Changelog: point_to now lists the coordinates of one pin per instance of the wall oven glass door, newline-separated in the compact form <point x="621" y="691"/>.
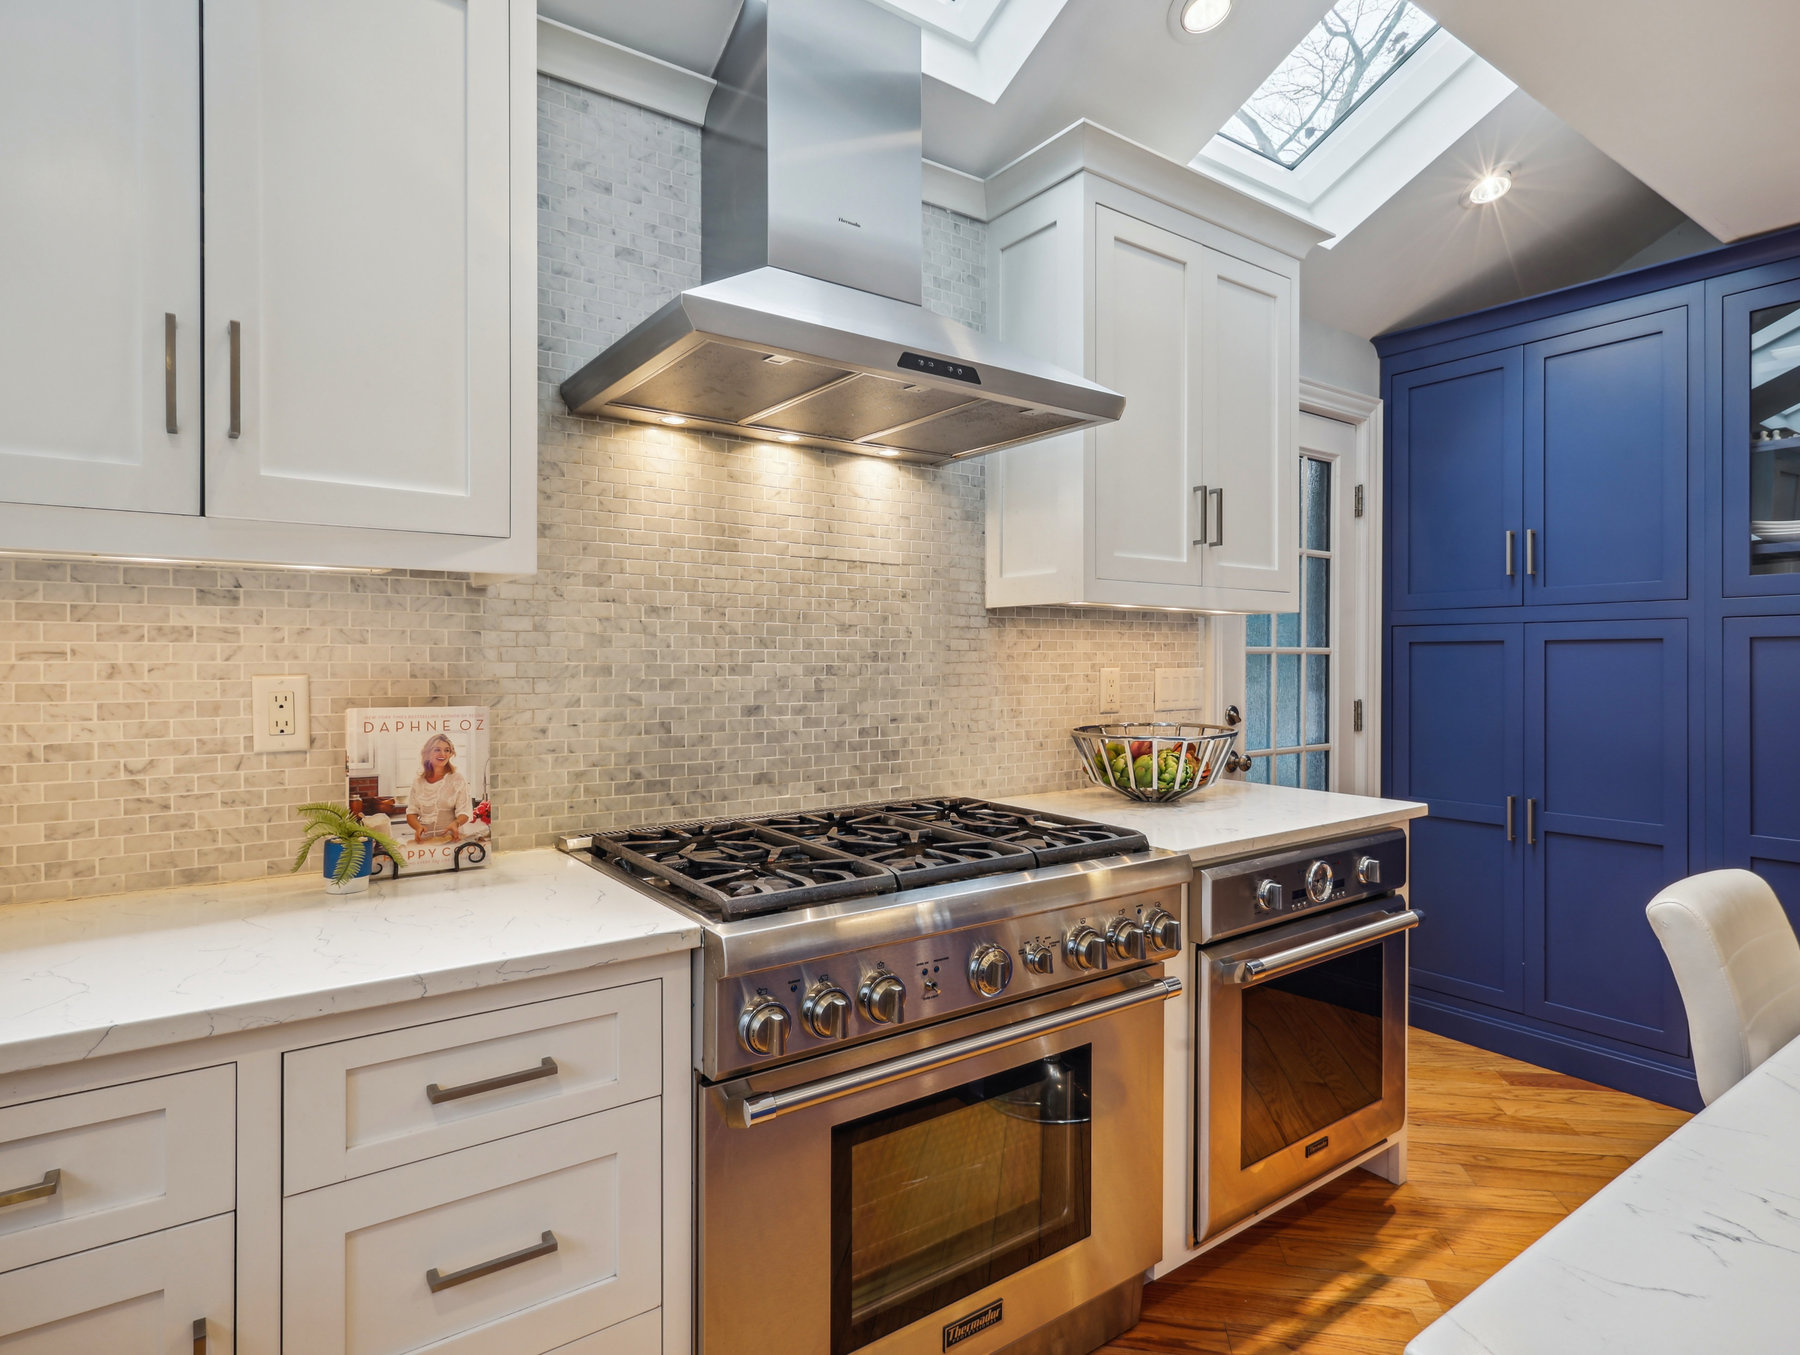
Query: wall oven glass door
<point x="941" y="1197"/>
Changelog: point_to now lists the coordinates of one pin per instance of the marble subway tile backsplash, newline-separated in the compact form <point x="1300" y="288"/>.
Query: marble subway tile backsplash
<point x="716" y="627"/>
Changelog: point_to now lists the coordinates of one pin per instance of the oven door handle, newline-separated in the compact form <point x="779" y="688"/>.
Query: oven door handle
<point x="1286" y="961"/>
<point x="742" y="1112"/>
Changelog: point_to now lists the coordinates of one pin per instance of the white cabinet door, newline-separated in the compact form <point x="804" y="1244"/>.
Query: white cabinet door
<point x="1150" y="288"/>
<point x="141" y="1297"/>
<point x="1249" y="463"/>
<point x="99" y="242"/>
<point x="357" y="233"/>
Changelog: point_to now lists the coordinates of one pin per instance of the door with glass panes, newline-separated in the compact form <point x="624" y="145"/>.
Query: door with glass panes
<point x="1287" y="672"/>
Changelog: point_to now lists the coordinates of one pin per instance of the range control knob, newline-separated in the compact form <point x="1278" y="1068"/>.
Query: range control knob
<point x="1269" y="897"/>
<point x="1368" y="870"/>
<point x="826" y="1011"/>
<point x="883" y="999"/>
<point x="763" y="1028"/>
<point x="1086" y="948"/>
<point x="1319" y="882"/>
<point x="1038" y="958"/>
<point x="990" y="969"/>
<point x="1126" y="940"/>
<point x="1163" y="931"/>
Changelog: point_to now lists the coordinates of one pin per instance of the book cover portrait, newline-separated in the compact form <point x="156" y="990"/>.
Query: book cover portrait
<point x="421" y="773"/>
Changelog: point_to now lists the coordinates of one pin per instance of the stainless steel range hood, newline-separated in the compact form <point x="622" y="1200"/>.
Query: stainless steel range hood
<point x="807" y="327"/>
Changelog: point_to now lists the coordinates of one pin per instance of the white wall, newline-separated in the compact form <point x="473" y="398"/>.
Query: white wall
<point x="1338" y="358"/>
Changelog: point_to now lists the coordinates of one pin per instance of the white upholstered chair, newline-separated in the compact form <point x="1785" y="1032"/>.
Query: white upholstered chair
<point x="1738" y="966"/>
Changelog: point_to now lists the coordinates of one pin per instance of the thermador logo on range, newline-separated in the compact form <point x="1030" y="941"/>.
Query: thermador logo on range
<point x="955" y="1333"/>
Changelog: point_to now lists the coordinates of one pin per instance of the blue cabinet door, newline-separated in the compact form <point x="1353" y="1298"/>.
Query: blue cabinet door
<point x="1456" y="486"/>
<point x="1457" y="743"/>
<point x="1606" y="462"/>
<point x="1760" y="480"/>
<point x="1606" y="780"/>
<point x="1759" y="674"/>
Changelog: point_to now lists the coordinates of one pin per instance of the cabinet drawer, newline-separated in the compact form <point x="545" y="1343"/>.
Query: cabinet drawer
<point x="640" y="1335"/>
<point x="359" y="1256"/>
<point x="380" y="1101"/>
<point x="141" y="1297"/>
<point x="99" y="1166"/>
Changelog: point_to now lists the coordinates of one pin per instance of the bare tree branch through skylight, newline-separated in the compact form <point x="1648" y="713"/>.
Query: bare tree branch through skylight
<point x="1356" y="46"/>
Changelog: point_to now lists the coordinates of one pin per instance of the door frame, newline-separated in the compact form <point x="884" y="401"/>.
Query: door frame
<point x="1357" y="582"/>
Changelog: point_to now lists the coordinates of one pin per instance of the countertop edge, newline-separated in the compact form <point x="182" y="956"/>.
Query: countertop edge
<point x="1251" y="845"/>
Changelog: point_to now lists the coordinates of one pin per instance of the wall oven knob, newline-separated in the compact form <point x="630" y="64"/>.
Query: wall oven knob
<point x="763" y="1028"/>
<point x="826" y="1011"/>
<point x="1319" y="881"/>
<point x="990" y="970"/>
<point x="1163" y="931"/>
<point x="1269" y="897"/>
<point x="1039" y="959"/>
<point x="883" y="999"/>
<point x="1127" y="941"/>
<point x="1086" y="948"/>
<point x="1368" y="870"/>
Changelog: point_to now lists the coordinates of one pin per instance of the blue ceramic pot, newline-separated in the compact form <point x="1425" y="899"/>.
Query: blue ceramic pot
<point x="358" y="882"/>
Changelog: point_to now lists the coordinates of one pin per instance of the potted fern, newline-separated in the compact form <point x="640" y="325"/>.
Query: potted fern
<point x="349" y="858"/>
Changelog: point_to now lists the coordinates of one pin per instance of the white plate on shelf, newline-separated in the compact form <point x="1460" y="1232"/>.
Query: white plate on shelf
<point x="1777" y="531"/>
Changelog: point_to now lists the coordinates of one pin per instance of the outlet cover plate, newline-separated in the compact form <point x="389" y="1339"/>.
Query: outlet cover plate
<point x="266" y="708"/>
<point x="1181" y="689"/>
<point x="1109" y="691"/>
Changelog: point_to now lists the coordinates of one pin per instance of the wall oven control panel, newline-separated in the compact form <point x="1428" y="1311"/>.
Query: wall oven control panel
<point x="1240" y="896"/>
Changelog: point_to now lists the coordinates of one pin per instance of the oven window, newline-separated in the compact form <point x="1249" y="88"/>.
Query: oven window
<point x="1312" y="1051"/>
<point x="936" y="1199"/>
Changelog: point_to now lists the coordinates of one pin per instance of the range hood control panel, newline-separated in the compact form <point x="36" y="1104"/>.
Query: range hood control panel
<point x="956" y="371"/>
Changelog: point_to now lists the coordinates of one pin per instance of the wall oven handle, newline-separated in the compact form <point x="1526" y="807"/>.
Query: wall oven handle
<point x="743" y="1112"/>
<point x="1286" y="961"/>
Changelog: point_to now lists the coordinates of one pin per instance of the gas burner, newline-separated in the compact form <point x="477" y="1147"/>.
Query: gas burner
<point x="1051" y="838"/>
<point x="739" y="869"/>
<point x="921" y="853"/>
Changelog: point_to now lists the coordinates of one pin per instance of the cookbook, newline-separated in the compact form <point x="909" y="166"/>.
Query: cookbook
<point x="420" y="773"/>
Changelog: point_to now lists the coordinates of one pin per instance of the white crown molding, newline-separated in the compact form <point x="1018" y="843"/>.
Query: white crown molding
<point x="959" y="192"/>
<point x="1334" y="402"/>
<point x="1087" y="147"/>
<point x="582" y="59"/>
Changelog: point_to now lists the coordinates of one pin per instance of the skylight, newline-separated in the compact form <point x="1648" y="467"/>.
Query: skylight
<point x="1356" y="46"/>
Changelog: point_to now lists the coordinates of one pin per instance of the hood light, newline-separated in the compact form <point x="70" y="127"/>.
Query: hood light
<point x="1191" y="18"/>
<point x="673" y="420"/>
<point x="1490" y="187"/>
<point x="788" y="437"/>
<point x="886" y="451"/>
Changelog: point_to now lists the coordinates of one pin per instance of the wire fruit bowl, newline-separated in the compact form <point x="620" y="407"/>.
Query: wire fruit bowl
<point x="1160" y="762"/>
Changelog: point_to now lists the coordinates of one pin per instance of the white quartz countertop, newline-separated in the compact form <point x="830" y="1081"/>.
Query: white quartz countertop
<point x="1229" y="818"/>
<point x="1694" y="1248"/>
<point x="100" y="976"/>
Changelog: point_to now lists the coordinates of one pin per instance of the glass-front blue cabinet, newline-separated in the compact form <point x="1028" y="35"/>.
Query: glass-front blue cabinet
<point x="1761" y="440"/>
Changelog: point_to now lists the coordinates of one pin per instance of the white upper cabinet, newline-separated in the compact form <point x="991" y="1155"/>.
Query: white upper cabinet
<point x="357" y="234"/>
<point x="368" y="342"/>
<point x="100" y="254"/>
<point x="1189" y="500"/>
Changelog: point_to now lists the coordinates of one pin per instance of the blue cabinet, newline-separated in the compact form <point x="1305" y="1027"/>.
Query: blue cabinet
<point x="1760" y="351"/>
<point x="1760" y="680"/>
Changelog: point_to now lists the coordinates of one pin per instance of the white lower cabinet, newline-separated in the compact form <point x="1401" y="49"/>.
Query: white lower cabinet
<point x="168" y="1293"/>
<point x="516" y="1247"/>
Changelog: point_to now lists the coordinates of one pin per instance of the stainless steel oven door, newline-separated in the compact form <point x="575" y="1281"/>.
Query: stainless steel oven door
<point x="1302" y="1037"/>
<point x="952" y="1188"/>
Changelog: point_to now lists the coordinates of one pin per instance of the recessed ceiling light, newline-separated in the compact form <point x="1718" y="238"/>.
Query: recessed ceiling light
<point x="790" y="437"/>
<point x="673" y="420"/>
<point x="1490" y="187"/>
<point x="1191" y="18"/>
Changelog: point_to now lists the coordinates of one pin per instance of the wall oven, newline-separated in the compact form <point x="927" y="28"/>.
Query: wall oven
<point x="943" y="1189"/>
<point x="1301" y="1004"/>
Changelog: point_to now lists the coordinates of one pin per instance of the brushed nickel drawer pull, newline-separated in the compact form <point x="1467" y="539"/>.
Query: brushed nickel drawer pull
<point x="1218" y="518"/>
<point x="237" y="381"/>
<point x="438" y="1095"/>
<point x="1511" y="538"/>
<point x="199" y="1336"/>
<point x="170" y="424"/>
<point x="1531" y="833"/>
<point x="439" y="1281"/>
<point x="42" y="1190"/>
<point x="1205" y="508"/>
<point x="1531" y="551"/>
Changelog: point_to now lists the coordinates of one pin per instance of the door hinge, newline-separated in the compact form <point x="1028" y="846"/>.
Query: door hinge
<point x="1359" y="501"/>
<point x="1356" y="715"/>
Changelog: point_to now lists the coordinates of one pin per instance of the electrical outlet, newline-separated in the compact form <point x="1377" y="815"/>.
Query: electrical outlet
<point x="1180" y="689"/>
<point x="281" y="714"/>
<point x="1109" y="691"/>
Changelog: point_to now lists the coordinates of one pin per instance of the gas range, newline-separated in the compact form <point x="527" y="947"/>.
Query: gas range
<point x="831" y="928"/>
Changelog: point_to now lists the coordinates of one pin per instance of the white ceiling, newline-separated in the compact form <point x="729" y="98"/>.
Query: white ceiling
<point x="1698" y="100"/>
<point x="1573" y="214"/>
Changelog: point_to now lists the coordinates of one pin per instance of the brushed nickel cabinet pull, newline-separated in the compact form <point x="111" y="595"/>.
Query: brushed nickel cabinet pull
<point x="237" y="382"/>
<point x="1512" y="802"/>
<point x="41" y="1190"/>
<point x="199" y="1336"/>
<point x="1511" y="537"/>
<point x="438" y="1095"/>
<point x="1205" y="504"/>
<point x="1531" y="551"/>
<point x="439" y="1281"/>
<point x="1218" y="518"/>
<point x="170" y="424"/>
<point x="1531" y="823"/>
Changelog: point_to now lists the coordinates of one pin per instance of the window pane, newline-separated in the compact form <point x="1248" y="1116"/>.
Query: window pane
<point x="1259" y="771"/>
<point x="1287" y="769"/>
<point x="1318" y="699"/>
<point x="1256" y="631"/>
<point x="1317" y="576"/>
<point x="1318" y="771"/>
<point x="1287" y="629"/>
<point x="1287" y="700"/>
<point x="1315" y="492"/>
<point x="1256" y="701"/>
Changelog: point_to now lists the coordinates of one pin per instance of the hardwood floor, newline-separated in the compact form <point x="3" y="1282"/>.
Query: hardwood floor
<point x="1500" y="1151"/>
